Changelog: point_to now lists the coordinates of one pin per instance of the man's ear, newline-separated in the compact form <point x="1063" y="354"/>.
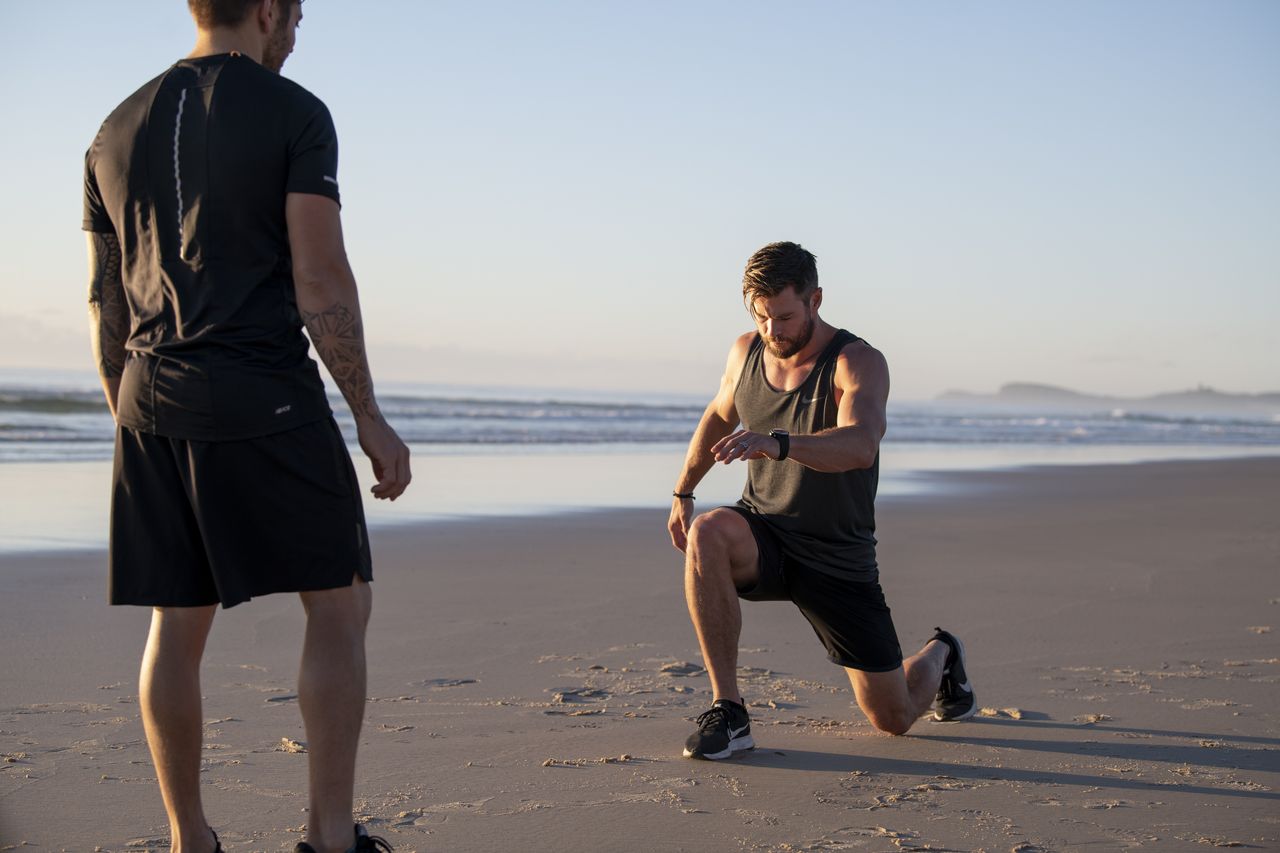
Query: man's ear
<point x="817" y="298"/>
<point x="264" y="13"/>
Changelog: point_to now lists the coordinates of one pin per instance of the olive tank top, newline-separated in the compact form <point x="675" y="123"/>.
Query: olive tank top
<point x="823" y="520"/>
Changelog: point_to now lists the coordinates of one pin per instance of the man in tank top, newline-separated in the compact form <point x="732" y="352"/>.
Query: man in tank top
<point x="803" y="404"/>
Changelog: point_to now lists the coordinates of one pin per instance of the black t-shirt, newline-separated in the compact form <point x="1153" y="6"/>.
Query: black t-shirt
<point x="190" y="173"/>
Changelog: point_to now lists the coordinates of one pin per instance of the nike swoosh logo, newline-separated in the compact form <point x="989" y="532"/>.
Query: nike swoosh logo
<point x="733" y="733"/>
<point x="810" y="401"/>
<point x="966" y="688"/>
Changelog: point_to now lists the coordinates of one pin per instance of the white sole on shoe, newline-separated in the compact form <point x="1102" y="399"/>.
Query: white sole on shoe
<point x="966" y="715"/>
<point x="736" y="745"/>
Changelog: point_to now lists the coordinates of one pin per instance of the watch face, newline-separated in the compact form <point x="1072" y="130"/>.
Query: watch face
<point x="784" y="442"/>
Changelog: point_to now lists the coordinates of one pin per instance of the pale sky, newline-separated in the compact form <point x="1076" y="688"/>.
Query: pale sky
<point x="564" y="193"/>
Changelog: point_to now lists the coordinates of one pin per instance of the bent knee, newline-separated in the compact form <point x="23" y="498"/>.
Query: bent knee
<point x="895" y="723"/>
<point x="712" y="530"/>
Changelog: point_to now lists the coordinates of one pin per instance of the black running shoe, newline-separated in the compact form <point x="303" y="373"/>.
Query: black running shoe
<point x="721" y="730"/>
<point x="365" y="843"/>
<point x="955" y="699"/>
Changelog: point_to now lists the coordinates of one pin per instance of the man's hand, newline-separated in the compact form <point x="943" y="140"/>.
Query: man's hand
<point x="389" y="455"/>
<point x="745" y="444"/>
<point x="678" y="523"/>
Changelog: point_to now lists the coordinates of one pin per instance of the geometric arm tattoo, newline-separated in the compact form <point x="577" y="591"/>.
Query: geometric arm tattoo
<point x="108" y="310"/>
<point x="338" y="336"/>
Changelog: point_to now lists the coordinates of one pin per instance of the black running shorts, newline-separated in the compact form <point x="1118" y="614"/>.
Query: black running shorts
<point x="850" y="617"/>
<point x="207" y="522"/>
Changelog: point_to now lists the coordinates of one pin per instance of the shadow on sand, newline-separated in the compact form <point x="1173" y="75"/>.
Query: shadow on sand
<point x="1221" y="755"/>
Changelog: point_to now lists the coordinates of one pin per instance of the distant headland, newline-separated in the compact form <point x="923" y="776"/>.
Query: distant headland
<point x="1199" y="401"/>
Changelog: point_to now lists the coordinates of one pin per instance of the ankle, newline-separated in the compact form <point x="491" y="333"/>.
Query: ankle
<point x="201" y="840"/>
<point x="331" y="837"/>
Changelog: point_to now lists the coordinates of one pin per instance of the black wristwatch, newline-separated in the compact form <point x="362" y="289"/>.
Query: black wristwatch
<point x="784" y="442"/>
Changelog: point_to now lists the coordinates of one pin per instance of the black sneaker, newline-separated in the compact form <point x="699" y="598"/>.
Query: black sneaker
<point x="955" y="699"/>
<point x="365" y="843"/>
<point x="721" y="730"/>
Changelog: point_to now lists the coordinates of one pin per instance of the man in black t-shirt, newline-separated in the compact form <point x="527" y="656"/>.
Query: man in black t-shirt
<point x="211" y="202"/>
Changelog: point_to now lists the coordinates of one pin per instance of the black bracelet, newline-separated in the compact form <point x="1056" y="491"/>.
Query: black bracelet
<point x="684" y="496"/>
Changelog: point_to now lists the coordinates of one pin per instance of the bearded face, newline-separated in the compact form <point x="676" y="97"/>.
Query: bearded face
<point x="787" y="345"/>
<point x="785" y="321"/>
<point x="281" y="39"/>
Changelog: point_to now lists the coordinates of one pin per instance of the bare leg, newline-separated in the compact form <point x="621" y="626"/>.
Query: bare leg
<point x="893" y="701"/>
<point x="331" y="692"/>
<point x="169" y="691"/>
<point x="721" y="556"/>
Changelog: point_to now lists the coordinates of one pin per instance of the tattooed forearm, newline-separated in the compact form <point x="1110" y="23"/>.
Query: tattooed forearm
<point x="108" y="310"/>
<point x="338" y="336"/>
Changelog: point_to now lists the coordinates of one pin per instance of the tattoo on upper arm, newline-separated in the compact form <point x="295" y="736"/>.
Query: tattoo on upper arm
<point x="338" y="337"/>
<point x="108" y="309"/>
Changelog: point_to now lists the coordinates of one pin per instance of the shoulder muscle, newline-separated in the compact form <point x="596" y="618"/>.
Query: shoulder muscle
<point x="861" y="365"/>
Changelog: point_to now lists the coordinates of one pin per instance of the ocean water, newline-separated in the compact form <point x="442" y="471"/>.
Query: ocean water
<point x="51" y="424"/>
<point x="493" y="452"/>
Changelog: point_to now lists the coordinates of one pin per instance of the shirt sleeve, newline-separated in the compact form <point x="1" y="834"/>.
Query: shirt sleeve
<point x="95" y="212"/>
<point x="313" y="156"/>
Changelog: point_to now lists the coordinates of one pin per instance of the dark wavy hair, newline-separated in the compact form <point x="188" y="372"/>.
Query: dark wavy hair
<point x="776" y="267"/>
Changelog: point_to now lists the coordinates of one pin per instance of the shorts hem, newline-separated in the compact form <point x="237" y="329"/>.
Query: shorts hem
<point x="861" y="667"/>
<point x="144" y="601"/>
<point x="365" y="576"/>
<point x="754" y="593"/>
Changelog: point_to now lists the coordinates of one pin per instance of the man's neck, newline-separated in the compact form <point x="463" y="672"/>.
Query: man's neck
<point x="214" y="42"/>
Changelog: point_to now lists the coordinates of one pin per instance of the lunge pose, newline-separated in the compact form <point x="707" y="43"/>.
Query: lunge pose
<point x="211" y="202"/>
<point x="810" y="399"/>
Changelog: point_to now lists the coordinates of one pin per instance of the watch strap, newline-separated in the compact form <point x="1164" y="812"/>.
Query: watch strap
<point x="784" y="442"/>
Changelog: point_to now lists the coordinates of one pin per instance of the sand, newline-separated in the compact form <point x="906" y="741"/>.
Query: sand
<point x="532" y="681"/>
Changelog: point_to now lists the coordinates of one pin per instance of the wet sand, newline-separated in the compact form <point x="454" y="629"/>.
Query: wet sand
<point x="532" y="681"/>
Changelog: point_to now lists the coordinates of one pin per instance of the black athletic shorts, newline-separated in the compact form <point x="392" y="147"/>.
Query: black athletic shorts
<point x="850" y="617"/>
<point x="206" y="522"/>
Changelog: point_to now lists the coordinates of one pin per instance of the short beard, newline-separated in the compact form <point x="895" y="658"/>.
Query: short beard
<point x="276" y="50"/>
<point x="791" y="346"/>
